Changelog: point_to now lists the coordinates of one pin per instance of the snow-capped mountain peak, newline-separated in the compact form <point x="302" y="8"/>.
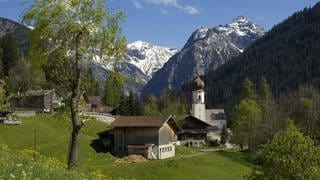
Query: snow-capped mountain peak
<point x="242" y="27"/>
<point x="138" y="45"/>
<point x="147" y="57"/>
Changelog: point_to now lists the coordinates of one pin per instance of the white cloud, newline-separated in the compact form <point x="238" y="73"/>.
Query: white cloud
<point x="188" y="9"/>
<point x="137" y="4"/>
<point x="191" y="10"/>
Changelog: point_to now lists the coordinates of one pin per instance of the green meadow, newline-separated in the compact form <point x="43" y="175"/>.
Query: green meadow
<point x="49" y="136"/>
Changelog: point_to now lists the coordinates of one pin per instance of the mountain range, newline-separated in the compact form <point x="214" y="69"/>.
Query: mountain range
<point x="151" y="68"/>
<point x="138" y="65"/>
<point x="205" y="50"/>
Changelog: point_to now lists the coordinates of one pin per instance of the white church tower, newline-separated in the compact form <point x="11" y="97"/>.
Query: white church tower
<point x="198" y="100"/>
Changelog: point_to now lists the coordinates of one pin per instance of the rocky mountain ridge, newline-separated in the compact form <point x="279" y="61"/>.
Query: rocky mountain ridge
<point x="205" y="50"/>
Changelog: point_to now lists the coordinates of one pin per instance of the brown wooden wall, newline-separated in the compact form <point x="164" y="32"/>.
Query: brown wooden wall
<point x="133" y="136"/>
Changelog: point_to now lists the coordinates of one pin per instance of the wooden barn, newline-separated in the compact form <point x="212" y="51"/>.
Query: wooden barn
<point x="151" y="136"/>
<point x="194" y="131"/>
<point x="38" y="100"/>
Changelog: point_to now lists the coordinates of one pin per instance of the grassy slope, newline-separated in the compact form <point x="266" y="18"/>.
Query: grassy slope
<point x="53" y="139"/>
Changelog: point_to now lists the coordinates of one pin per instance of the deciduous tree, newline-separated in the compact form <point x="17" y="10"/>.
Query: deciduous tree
<point x="290" y="155"/>
<point x="75" y="30"/>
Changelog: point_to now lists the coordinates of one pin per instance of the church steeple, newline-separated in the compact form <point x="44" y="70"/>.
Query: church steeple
<point x="198" y="99"/>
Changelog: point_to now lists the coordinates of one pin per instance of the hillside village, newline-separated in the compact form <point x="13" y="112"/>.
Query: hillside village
<point x="78" y="102"/>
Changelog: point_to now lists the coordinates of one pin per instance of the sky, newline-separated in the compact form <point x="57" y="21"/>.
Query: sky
<point x="171" y="22"/>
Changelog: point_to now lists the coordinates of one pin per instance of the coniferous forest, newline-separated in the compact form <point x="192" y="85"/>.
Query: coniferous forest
<point x="287" y="57"/>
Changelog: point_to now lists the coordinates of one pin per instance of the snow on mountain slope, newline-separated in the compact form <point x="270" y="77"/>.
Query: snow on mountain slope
<point x="147" y="57"/>
<point x="138" y="65"/>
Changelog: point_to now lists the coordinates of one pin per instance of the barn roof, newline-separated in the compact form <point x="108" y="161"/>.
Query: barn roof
<point x="139" y="121"/>
<point x="195" y="122"/>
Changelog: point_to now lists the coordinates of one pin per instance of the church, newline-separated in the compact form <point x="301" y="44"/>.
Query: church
<point x="214" y="117"/>
<point x="201" y="122"/>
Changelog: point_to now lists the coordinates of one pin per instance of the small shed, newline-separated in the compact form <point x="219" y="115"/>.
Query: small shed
<point x="194" y="131"/>
<point x="151" y="136"/>
<point x="37" y="100"/>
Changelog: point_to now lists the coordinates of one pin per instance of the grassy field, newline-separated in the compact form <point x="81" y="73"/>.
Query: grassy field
<point x="52" y="140"/>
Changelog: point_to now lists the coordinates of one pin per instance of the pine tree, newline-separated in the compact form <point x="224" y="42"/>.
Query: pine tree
<point x="151" y="106"/>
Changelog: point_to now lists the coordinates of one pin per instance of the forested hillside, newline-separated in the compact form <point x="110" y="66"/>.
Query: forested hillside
<point x="287" y="56"/>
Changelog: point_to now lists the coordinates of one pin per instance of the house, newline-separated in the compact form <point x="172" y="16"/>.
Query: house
<point x="214" y="117"/>
<point x="92" y="103"/>
<point x="194" y="131"/>
<point x="37" y="100"/>
<point x="151" y="136"/>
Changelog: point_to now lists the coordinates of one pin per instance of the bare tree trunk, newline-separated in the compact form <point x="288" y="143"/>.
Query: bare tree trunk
<point x="75" y="96"/>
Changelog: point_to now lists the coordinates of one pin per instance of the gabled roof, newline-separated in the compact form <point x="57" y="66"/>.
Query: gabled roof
<point x="190" y="118"/>
<point x="139" y="121"/>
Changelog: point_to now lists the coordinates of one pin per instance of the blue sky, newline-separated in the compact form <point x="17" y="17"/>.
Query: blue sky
<point x="171" y="22"/>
